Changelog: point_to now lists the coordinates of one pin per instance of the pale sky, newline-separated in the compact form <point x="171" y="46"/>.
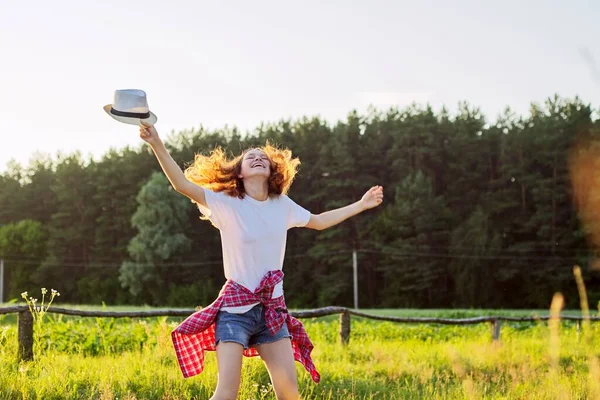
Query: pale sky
<point x="243" y="62"/>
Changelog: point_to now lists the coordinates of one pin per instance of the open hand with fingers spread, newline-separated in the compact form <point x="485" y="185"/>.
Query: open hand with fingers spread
<point x="148" y="133"/>
<point x="372" y="198"/>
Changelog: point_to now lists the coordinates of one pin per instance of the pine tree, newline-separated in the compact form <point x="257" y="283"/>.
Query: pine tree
<point x="160" y="221"/>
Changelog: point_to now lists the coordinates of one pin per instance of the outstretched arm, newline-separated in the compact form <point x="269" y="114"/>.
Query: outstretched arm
<point x="175" y="175"/>
<point x="372" y="198"/>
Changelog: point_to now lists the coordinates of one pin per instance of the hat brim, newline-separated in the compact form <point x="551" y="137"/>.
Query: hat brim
<point x="151" y="120"/>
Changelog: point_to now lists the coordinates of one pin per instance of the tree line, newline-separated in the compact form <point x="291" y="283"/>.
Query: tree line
<point x="476" y="214"/>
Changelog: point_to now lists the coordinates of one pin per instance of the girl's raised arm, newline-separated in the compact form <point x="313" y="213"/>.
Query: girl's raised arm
<point x="175" y="175"/>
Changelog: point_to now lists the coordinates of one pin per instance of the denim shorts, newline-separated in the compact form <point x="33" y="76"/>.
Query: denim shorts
<point x="248" y="329"/>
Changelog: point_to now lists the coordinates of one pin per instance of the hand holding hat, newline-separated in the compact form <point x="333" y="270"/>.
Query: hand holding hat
<point x="148" y="133"/>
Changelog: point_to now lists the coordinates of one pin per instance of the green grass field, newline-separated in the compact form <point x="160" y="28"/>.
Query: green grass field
<point x="103" y="358"/>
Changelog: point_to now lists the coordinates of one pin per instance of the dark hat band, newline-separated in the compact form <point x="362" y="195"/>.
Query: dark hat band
<point x="129" y="114"/>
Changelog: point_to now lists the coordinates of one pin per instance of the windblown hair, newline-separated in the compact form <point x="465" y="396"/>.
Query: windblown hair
<point x="218" y="173"/>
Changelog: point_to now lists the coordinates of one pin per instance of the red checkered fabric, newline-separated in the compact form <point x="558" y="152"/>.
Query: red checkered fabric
<point x="196" y="334"/>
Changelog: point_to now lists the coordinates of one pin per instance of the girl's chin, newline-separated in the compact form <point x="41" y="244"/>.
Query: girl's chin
<point x="257" y="176"/>
<point x="258" y="173"/>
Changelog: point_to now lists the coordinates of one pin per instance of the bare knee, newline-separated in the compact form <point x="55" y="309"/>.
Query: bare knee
<point x="225" y="392"/>
<point x="290" y="395"/>
<point x="286" y="389"/>
<point x="216" y="397"/>
<point x="279" y="359"/>
<point x="224" y="396"/>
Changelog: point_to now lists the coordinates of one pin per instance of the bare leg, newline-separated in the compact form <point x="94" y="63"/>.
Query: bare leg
<point x="279" y="359"/>
<point x="229" y="360"/>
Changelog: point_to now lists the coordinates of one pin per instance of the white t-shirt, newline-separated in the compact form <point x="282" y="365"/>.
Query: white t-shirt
<point x="253" y="236"/>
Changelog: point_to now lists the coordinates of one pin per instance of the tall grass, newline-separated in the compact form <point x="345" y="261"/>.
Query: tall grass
<point x="105" y="358"/>
<point x="133" y="359"/>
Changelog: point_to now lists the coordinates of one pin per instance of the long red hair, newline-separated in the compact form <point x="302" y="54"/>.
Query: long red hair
<point x="218" y="173"/>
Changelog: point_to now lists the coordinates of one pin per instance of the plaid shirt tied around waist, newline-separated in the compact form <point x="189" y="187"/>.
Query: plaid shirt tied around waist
<point x="196" y="334"/>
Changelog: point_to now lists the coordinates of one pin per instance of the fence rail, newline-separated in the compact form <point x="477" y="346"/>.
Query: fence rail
<point x="25" y="320"/>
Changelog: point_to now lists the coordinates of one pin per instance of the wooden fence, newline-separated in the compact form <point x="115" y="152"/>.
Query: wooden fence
<point x="25" y="320"/>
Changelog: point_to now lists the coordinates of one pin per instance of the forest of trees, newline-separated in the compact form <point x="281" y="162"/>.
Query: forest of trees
<point x="476" y="214"/>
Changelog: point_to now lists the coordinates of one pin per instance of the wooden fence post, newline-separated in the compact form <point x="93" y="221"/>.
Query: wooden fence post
<point x="495" y="330"/>
<point x="345" y="327"/>
<point x="25" y="336"/>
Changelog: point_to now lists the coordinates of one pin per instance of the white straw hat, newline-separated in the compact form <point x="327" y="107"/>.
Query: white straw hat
<point x="130" y="106"/>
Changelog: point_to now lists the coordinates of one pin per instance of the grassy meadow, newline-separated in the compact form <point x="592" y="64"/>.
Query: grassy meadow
<point x="104" y="358"/>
